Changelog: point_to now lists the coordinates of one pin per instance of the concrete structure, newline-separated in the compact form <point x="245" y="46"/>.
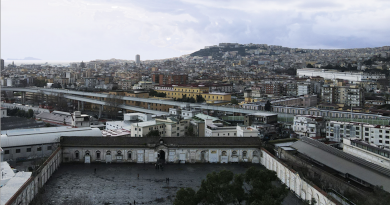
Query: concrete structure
<point x="24" y="144"/>
<point x="335" y="74"/>
<point x="170" y="127"/>
<point x="304" y="89"/>
<point x="169" y="150"/>
<point x="137" y="60"/>
<point x="307" y="110"/>
<point x="143" y="85"/>
<point x="309" y="126"/>
<point x="374" y="134"/>
<point x="346" y="165"/>
<point x="366" y="151"/>
<point x="24" y="193"/>
<point x="297" y="184"/>
<point x="128" y="119"/>
<point x="214" y="129"/>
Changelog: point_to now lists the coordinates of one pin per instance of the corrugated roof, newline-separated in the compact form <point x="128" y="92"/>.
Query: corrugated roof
<point x="344" y="162"/>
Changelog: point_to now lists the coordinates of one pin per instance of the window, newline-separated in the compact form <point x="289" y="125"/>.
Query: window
<point x="28" y="150"/>
<point x="367" y="129"/>
<point x="224" y="153"/>
<point x="76" y="154"/>
<point x="97" y="154"/>
<point x="178" y="134"/>
<point x="178" y="128"/>
<point x="48" y="147"/>
<point x="366" y="134"/>
<point x="380" y="131"/>
<point x="17" y="151"/>
<point x="387" y="142"/>
<point x="380" y="136"/>
<point x="357" y="128"/>
<point x="6" y="151"/>
<point x="234" y="153"/>
<point x="244" y="154"/>
<point x="341" y="126"/>
<point x="380" y="141"/>
<point x="357" y="133"/>
<point x="39" y="148"/>
<point x="129" y="155"/>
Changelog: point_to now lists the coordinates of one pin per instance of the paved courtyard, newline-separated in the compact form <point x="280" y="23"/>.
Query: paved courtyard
<point x="120" y="184"/>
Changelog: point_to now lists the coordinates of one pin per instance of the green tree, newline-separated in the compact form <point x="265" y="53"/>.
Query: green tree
<point x="191" y="100"/>
<point x="185" y="196"/>
<point x="234" y="101"/>
<point x="268" y="106"/>
<point x="190" y="131"/>
<point x="309" y="65"/>
<point x="153" y="133"/>
<point x="200" y="99"/>
<point x="253" y="187"/>
<point x="30" y="113"/>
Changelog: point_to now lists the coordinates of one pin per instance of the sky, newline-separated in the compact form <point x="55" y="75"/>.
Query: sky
<point x="104" y="29"/>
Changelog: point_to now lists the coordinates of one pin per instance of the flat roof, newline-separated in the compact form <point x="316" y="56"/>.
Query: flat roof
<point x="344" y="162"/>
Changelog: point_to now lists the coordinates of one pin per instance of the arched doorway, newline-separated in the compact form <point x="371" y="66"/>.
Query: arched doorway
<point x="161" y="157"/>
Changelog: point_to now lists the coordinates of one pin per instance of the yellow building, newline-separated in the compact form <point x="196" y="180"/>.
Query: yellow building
<point x="192" y="91"/>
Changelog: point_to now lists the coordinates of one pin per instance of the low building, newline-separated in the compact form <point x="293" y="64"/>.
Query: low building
<point x="214" y="129"/>
<point x="309" y="125"/>
<point x="170" y="127"/>
<point x="366" y="151"/>
<point x="128" y="119"/>
<point x="168" y="149"/>
<point x="24" y="144"/>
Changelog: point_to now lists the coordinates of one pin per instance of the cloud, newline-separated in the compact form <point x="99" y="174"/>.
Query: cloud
<point x="90" y="29"/>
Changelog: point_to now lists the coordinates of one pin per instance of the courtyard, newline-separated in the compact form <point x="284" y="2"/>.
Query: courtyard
<point x="126" y="183"/>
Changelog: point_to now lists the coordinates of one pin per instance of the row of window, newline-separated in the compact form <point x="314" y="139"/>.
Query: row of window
<point x="7" y="151"/>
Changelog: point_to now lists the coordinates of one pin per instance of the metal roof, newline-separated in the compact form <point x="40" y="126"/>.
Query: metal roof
<point x="20" y="138"/>
<point x="344" y="162"/>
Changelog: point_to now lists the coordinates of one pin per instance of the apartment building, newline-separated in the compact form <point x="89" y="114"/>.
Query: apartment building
<point x="309" y="125"/>
<point x="164" y="79"/>
<point x="369" y="152"/>
<point x="192" y="91"/>
<point x="373" y="134"/>
<point x="170" y="127"/>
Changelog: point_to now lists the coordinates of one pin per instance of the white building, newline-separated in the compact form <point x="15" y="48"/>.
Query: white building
<point x="145" y="85"/>
<point x="373" y="134"/>
<point x="366" y="151"/>
<point x="171" y="127"/>
<point x="335" y="74"/>
<point x="217" y="129"/>
<point x="128" y="119"/>
<point x="304" y="89"/>
<point x="308" y="125"/>
<point x="138" y="60"/>
<point x="186" y="112"/>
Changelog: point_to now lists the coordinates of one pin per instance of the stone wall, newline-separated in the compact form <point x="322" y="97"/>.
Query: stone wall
<point x="30" y="189"/>
<point x="328" y="180"/>
<point x="291" y="178"/>
<point x="151" y="155"/>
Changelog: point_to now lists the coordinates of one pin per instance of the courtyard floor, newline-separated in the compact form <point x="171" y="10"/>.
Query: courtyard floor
<point x="120" y="184"/>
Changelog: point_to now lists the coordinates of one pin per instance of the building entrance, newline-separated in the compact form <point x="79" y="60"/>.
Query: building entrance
<point x="161" y="157"/>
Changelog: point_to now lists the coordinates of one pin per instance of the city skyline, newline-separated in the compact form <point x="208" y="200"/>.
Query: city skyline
<point x="67" y="30"/>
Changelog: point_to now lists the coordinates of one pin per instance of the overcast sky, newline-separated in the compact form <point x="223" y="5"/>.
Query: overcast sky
<point x="103" y="29"/>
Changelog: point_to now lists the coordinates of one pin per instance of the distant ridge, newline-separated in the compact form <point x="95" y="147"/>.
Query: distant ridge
<point x="26" y="58"/>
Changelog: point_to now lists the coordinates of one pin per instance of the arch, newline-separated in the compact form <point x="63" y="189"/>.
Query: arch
<point x="108" y="153"/>
<point x="77" y="154"/>
<point x="244" y="153"/>
<point x="129" y="155"/>
<point x="87" y="153"/>
<point x="203" y="156"/>
<point x="161" y="156"/>
<point x="119" y="152"/>
<point x="234" y="153"/>
<point x="98" y="155"/>
<point x="224" y="153"/>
